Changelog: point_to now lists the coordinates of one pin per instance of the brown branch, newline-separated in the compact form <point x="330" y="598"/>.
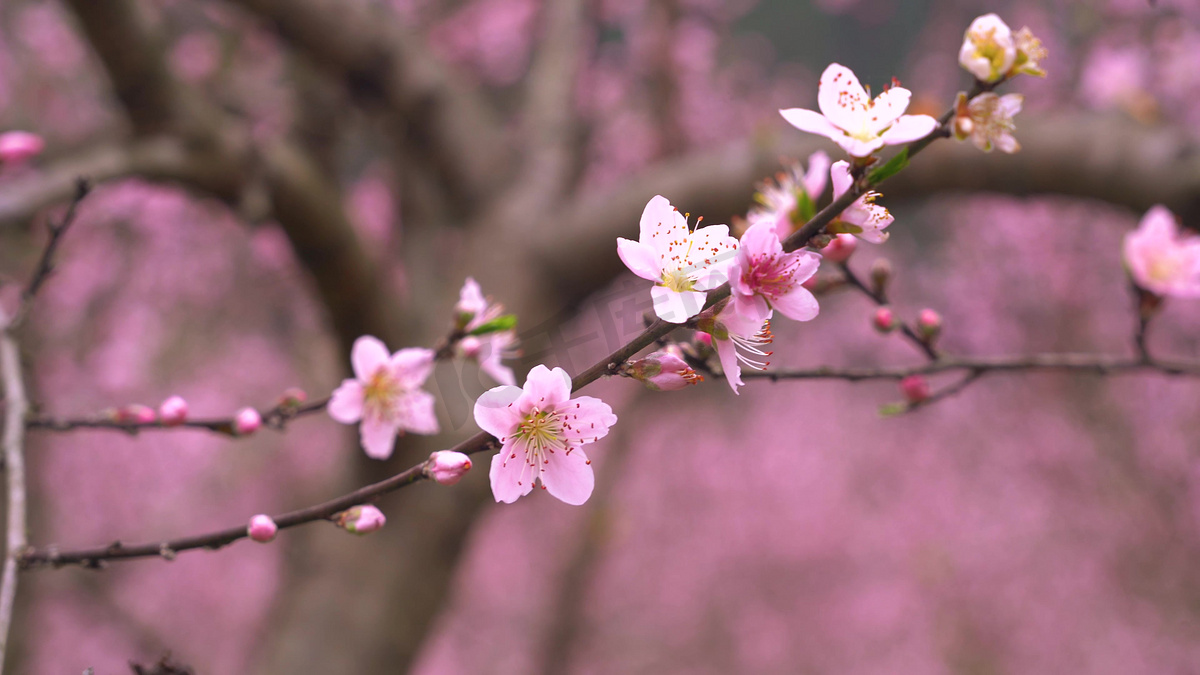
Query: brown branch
<point x="14" y="469"/>
<point x="1094" y="363"/>
<point x="275" y="418"/>
<point x="880" y="299"/>
<point x="45" y="266"/>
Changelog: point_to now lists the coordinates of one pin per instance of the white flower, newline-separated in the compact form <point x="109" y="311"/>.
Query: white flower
<point x="988" y="50"/>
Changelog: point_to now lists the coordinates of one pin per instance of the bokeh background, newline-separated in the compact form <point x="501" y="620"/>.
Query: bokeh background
<point x="277" y="177"/>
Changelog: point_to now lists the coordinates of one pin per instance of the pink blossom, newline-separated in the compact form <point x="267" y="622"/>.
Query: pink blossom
<point x="173" y="411"/>
<point x="988" y="50"/>
<point x="988" y="121"/>
<point x="475" y="311"/>
<point x="293" y="397"/>
<point x="840" y="248"/>
<point x="385" y="395"/>
<point x="864" y="217"/>
<point x="852" y="119"/>
<point x="363" y="519"/>
<point x="883" y="320"/>
<point x="763" y="278"/>
<point x="1160" y="258"/>
<point x="915" y="389"/>
<point x="663" y="370"/>
<point x="247" y="421"/>
<point x="733" y="333"/>
<point x="929" y="324"/>
<point x="682" y="263"/>
<point x="262" y="528"/>
<point x="19" y="146"/>
<point x="1030" y="54"/>
<point x="791" y="200"/>
<point x="542" y="431"/>
<point x="447" y="467"/>
<point x="136" y="413"/>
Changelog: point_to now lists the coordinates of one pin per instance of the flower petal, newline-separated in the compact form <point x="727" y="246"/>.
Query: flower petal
<point x="412" y="366"/>
<point x="499" y="372"/>
<point x="839" y="174"/>
<point x="640" y="258"/>
<point x="674" y="306"/>
<point x="887" y="108"/>
<point x="346" y="402"/>
<point x="544" y="388"/>
<point x="415" y="412"/>
<point x="727" y="352"/>
<point x="817" y="175"/>
<point x="510" y="476"/>
<point x="470" y="298"/>
<point x="367" y="355"/>
<point x="811" y="121"/>
<point x="752" y="307"/>
<point x="663" y="229"/>
<point x="909" y="128"/>
<point x="568" y="476"/>
<point x="378" y="436"/>
<point x="798" y="304"/>
<point x="586" y="419"/>
<point x="495" y="411"/>
<point x="842" y="100"/>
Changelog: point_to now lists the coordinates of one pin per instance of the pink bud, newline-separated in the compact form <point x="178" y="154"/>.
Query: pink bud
<point x="664" y="370"/>
<point x="881" y="274"/>
<point x="929" y="324"/>
<point x="470" y="346"/>
<point x="293" y="397"/>
<point x="247" y="421"/>
<point x="705" y="339"/>
<point x="915" y="389"/>
<point x="841" y="248"/>
<point x="173" y="411"/>
<point x="18" y="146"/>
<point x="262" y="529"/>
<point x="884" y="321"/>
<point x="447" y="467"/>
<point x="135" y="413"/>
<point x="361" y="519"/>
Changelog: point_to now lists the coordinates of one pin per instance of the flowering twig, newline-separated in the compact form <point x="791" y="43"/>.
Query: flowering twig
<point x="880" y="299"/>
<point x="1095" y="363"/>
<point x="45" y="265"/>
<point x="480" y="442"/>
<point x="14" y="467"/>
<point x="276" y="418"/>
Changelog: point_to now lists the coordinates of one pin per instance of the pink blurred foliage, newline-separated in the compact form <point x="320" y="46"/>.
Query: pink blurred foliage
<point x="492" y="38"/>
<point x="372" y="208"/>
<point x="196" y="56"/>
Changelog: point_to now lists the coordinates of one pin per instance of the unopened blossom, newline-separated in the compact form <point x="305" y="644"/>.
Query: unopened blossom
<point x="852" y="119"/>
<point x="738" y="340"/>
<point x="541" y="430"/>
<point x="1161" y="258"/>
<point x="764" y="278"/>
<point x="262" y="528"/>
<point x="682" y="263"/>
<point x="864" y="217"/>
<point x="135" y="413"/>
<point x="988" y="121"/>
<point x="1030" y="54"/>
<point x="840" y="248"/>
<point x="293" y="397"/>
<point x="915" y="389"/>
<point x="790" y="201"/>
<point x="929" y="324"/>
<point x="18" y="146"/>
<point x="989" y="49"/>
<point x="447" y="467"/>
<point x="385" y="395"/>
<point x="488" y="349"/>
<point x="884" y="320"/>
<point x="247" y="421"/>
<point x="363" y="519"/>
<point x="173" y="411"/>
<point x="663" y="370"/>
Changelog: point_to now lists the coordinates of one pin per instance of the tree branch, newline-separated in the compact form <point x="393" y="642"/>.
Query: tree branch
<point x="1071" y="362"/>
<point x="14" y="468"/>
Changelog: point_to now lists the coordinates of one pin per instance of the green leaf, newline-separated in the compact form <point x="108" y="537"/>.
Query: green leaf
<point x="500" y="323"/>
<point x="805" y="208"/>
<point x="842" y="227"/>
<point x="893" y="409"/>
<point x="893" y="167"/>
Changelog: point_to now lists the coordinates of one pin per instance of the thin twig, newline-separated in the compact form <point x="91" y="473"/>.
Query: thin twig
<point x="1100" y="364"/>
<point x="880" y="299"/>
<point x="45" y="266"/>
<point x="276" y="418"/>
<point x="14" y="461"/>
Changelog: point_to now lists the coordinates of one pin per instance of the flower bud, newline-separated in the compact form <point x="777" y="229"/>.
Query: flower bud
<point x="262" y="529"/>
<point x="363" y="519"/>
<point x="247" y="421"/>
<point x="135" y="413"/>
<point x="470" y="347"/>
<point x="18" y="146"/>
<point x="173" y="411"/>
<point x="293" y="397"/>
<point x="841" y="248"/>
<point x="884" y="321"/>
<point x="929" y="324"/>
<point x="447" y="467"/>
<point x="881" y="274"/>
<point x="664" y="370"/>
<point x="820" y="241"/>
<point x="915" y="389"/>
